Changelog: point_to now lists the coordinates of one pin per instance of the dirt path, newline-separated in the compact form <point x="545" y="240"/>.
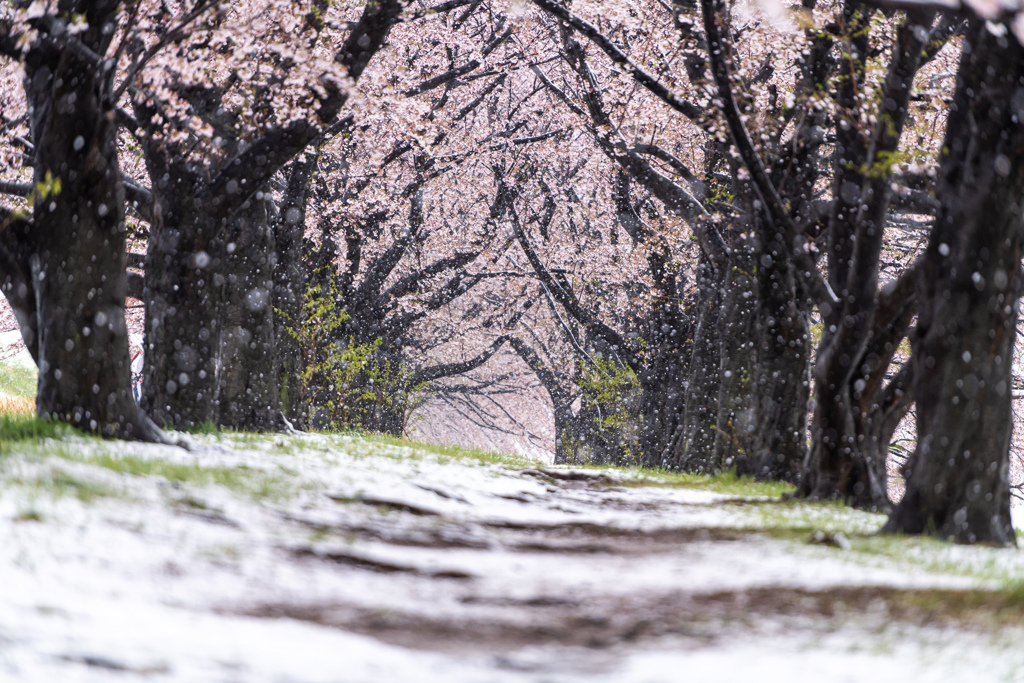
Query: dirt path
<point x="317" y="559"/>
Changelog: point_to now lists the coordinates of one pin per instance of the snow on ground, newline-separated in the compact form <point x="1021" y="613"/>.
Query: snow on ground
<point x="315" y="558"/>
<point x="13" y="352"/>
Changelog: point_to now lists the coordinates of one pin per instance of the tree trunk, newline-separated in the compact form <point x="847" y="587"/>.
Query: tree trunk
<point x="246" y="394"/>
<point x="567" y="438"/>
<point x="662" y="400"/>
<point x="693" y="446"/>
<point x="957" y="477"/>
<point x="77" y="244"/>
<point x="16" y="281"/>
<point x="290" y="282"/>
<point x="862" y="332"/>
<point x="184" y="271"/>
<point x="736" y="420"/>
<point x="780" y="384"/>
<point x="210" y="336"/>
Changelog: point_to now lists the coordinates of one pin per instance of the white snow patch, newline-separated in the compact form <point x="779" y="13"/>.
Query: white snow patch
<point x="13" y="352"/>
<point x="154" y="583"/>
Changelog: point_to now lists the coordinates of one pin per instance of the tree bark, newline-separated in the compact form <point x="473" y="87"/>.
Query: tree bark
<point x="16" y="278"/>
<point x="692" y="447"/>
<point x="184" y="269"/>
<point x="246" y="390"/>
<point x="196" y="214"/>
<point x="662" y="400"/>
<point x="290" y="283"/>
<point x="861" y="333"/>
<point x="77" y="245"/>
<point x="957" y="477"/>
<point x="780" y="386"/>
<point x="736" y="421"/>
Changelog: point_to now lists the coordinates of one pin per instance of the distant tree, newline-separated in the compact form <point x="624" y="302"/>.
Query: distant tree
<point x="777" y="124"/>
<point x="734" y="396"/>
<point x="404" y="214"/>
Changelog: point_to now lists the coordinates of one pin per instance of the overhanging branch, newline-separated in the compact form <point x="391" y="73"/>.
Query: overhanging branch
<point x="652" y="84"/>
<point x="451" y="369"/>
<point x="775" y="210"/>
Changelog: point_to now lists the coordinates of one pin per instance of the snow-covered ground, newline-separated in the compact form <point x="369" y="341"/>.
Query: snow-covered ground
<point x="315" y="558"/>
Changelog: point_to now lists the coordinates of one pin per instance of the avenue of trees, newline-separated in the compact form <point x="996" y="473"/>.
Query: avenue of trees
<point x="717" y="236"/>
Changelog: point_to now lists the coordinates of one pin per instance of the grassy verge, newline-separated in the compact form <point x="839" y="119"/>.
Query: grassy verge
<point x="726" y="482"/>
<point x="16" y="428"/>
<point x="58" y="483"/>
<point x="17" y="390"/>
<point x="16" y="380"/>
<point x="451" y="453"/>
<point x="27" y="434"/>
<point x="255" y="483"/>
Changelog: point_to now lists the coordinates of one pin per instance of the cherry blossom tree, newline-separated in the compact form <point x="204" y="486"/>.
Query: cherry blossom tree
<point x="64" y="263"/>
<point x="968" y="288"/>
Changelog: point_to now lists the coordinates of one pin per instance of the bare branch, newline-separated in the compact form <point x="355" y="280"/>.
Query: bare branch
<point x="659" y="90"/>
<point x="774" y="208"/>
<point x="412" y="281"/>
<point x="452" y="74"/>
<point x="450" y="369"/>
<point x="15" y="189"/>
<point x="558" y="92"/>
<point x="565" y="297"/>
<point x="140" y="199"/>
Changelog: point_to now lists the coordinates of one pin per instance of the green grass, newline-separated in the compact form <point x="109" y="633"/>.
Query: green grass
<point x="58" y="483"/>
<point x="759" y="506"/>
<point x="728" y="482"/>
<point x="15" y="428"/>
<point x="801" y="516"/>
<point x="18" y="380"/>
<point x="27" y="434"/>
<point x="255" y="483"/>
<point x="725" y="483"/>
<point x="933" y="555"/>
<point x="796" y="520"/>
<point x="449" y="453"/>
<point x="274" y="442"/>
<point x="206" y="427"/>
<point x="29" y="515"/>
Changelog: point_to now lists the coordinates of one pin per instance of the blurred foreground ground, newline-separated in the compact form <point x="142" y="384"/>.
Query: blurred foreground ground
<point x="342" y="558"/>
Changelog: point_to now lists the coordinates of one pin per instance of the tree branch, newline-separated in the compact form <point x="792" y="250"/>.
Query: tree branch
<point x="687" y="109"/>
<point x="140" y="199"/>
<point x="895" y="298"/>
<point x="677" y="165"/>
<point x="411" y="282"/>
<point x="675" y="198"/>
<point x="775" y="210"/>
<point x="15" y="189"/>
<point x="265" y="157"/>
<point x="558" y="92"/>
<point x="452" y="74"/>
<point x="547" y="378"/>
<point x="440" y="80"/>
<point x="565" y="297"/>
<point x="450" y="369"/>
<point x="370" y="286"/>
